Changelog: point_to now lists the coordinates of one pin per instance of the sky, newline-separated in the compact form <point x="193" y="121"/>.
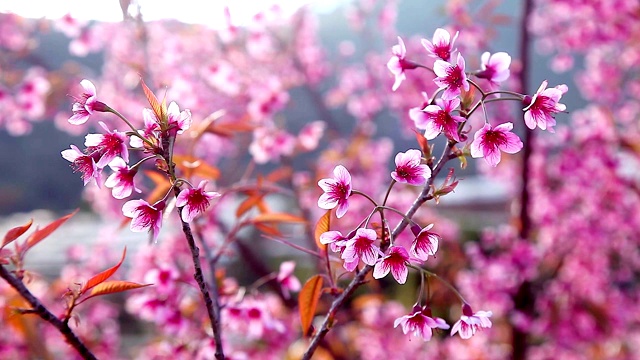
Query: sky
<point x="189" y="11"/>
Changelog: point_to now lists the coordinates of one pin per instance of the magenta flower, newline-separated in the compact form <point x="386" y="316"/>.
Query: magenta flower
<point x="194" y="201"/>
<point x="361" y="247"/>
<point x="488" y="142"/>
<point x="336" y="191"/>
<point x="442" y="44"/>
<point x="420" y="322"/>
<point x="470" y="322"/>
<point x="83" y="163"/>
<point x="86" y="104"/>
<point x="398" y="64"/>
<point x="110" y="145"/>
<point x="451" y="78"/>
<point x="542" y="106"/>
<point x="121" y="181"/>
<point x="179" y="121"/>
<point x="495" y="68"/>
<point x="425" y="244"/>
<point x="434" y="119"/>
<point x="288" y="281"/>
<point x="336" y="240"/>
<point x="409" y="170"/>
<point x="395" y="261"/>
<point x="144" y="216"/>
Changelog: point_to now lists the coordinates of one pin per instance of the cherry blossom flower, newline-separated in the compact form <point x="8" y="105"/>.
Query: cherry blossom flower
<point x="121" y="181"/>
<point x="310" y="135"/>
<point x="86" y="104"/>
<point x="451" y="78"/>
<point x="395" y="261"/>
<point x="150" y="130"/>
<point x="437" y="118"/>
<point x="495" y="68"/>
<point x="361" y="247"/>
<point x="420" y="322"/>
<point x="425" y="244"/>
<point x="398" y="64"/>
<point x="542" y="106"/>
<point x="336" y="191"/>
<point x="110" y="145"/>
<point x="288" y="281"/>
<point x="442" y="45"/>
<point x="470" y="322"/>
<point x="144" y="216"/>
<point x="488" y="142"/>
<point x="179" y="121"/>
<point x="409" y="170"/>
<point x="336" y="240"/>
<point x="194" y="201"/>
<point x="270" y="143"/>
<point x="83" y="163"/>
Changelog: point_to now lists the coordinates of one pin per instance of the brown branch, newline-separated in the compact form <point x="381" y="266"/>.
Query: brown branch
<point x="46" y="315"/>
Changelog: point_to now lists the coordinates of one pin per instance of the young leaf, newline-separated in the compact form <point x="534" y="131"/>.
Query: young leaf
<point x="103" y="276"/>
<point x="322" y="226"/>
<point x="278" y="217"/>
<point x="248" y="203"/>
<point x="15" y="233"/>
<point x="112" y="287"/>
<point x="41" y="234"/>
<point x="308" y="301"/>
<point x="158" y="108"/>
<point x="268" y="229"/>
<point x="162" y="186"/>
<point x="191" y="165"/>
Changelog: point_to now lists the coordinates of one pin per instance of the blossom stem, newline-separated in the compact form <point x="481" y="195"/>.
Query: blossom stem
<point x="357" y="192"/>
<point x="135" y="131"/>
<point x="136" y="165"/>
<point x="445" y="282"/>
<point x="46" y="315"/>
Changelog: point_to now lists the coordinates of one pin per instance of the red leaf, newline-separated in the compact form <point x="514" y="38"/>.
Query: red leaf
<point x="248" y="203"/>
<point x="112" y="287"/>
<point x="308" y="301"/>
<point x="103" y="276"/>
<point x="41" y="234"/>
<point x="268" y="229"/>
<point x="160" y="109"/>
<point x="322" y="226"/>
<point x="192" y="165"/>
<point x="277" y="218"/>
<point x="15" y="233"/>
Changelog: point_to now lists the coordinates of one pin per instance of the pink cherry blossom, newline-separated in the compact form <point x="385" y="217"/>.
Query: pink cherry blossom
<point x="395" y="261"/>
<point x="286" y="278"/>
<point x="121" y="181"/>
<point x="471" y="322"/>
<point x="495" y="68"/>
<point x="437" y="118"/>
<point x="451" y="78"/>
<point x="488" y="142"/>
<point x="179" y="121"/>
<point x="425" y="244"/>
<point x="420" y="322"/>
<point x="409" y="169"/>
<point x="361" y="247"/>
<point x="270" y="143"/>
<point x="442" y="45"/>
<point x="144" y="216"/>
<point x="110" y="145"/>
<point x="336" y="191"/>
<point x="542" y="106"/>
<point x="83" y="163"/>
<point x="398" y="64"/>
<point x="335" y="239"/>
<point x="151" y="128"/>
<point x="310" y="135"/>
<point x="194" y="201"/>
<point x="86" y="104"/>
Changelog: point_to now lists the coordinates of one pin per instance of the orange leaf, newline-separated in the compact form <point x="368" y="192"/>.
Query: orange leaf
<point x="112" y="287"/>
<point x="162" y="186"/>
<point x="15" y="233"/>
<point x="101" y="277"/>
<point x="41" y="234"/>
<point x="248" y="203"/>
<point x="424" y="144"/>
<point x="268" y="229"/>
<point x="192" y="165"/>
<point x="160" y="109"/>
<point x="278" y="217"/>
<point x="308" y="301"/>
<point x="322" y="226"/>
<point x="281" y="173"/>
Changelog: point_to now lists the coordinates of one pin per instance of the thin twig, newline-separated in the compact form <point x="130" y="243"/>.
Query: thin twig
<point x="46" y="315"/>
